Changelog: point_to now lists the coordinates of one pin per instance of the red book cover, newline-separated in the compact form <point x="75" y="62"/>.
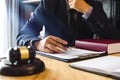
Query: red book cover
<point x="110" y="46"/>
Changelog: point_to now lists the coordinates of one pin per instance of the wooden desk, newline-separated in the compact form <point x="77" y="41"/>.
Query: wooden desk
<point x="58" y="70"/>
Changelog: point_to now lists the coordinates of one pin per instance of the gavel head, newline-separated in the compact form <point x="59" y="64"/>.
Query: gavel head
<point x="21" y="55"/>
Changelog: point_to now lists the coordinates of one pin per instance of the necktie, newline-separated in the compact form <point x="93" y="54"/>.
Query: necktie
<point x="72" y="17"/>
<point x="72" y="22"/>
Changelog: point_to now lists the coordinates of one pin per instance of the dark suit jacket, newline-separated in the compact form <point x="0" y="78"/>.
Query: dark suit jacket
<point x="53" y="14"/>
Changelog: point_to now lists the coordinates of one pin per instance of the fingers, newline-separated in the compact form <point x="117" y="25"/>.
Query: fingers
<point x="57" y="44"/>
<point x="50" y="44"/>
<point x="43" y="46"/>
<point x="59" y="40"/>
<point x="71" y="3"/>
<point x="53" y="48"/>
<point x="79" y="5"/>
<point x="48" y="50"/>
<point x="54" y="42"/>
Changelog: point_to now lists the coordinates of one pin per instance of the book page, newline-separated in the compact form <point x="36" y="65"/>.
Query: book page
<point x="106" y="64"/>
<point x="116" y="72"/>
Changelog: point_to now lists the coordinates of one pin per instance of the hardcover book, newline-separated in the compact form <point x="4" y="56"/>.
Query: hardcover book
<point x="110" y="46"/>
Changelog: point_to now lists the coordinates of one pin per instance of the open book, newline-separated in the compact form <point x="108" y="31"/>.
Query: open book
<point x="107" y="65"/>
<point x="73" y="54"/>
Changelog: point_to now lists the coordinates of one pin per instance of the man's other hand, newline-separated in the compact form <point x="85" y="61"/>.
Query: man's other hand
<point x="79" y="5"/>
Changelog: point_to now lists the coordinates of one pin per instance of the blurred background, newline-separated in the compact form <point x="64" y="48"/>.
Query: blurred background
<point x="14" y="14"/>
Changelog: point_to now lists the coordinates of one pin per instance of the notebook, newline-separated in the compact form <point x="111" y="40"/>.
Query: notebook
<point x="73" y="54"/>
<point x="106" y="65"/>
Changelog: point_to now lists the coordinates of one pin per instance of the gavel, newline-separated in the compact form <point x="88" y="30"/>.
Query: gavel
<point x="21" y="61"/>
<point x="21" y="55"/>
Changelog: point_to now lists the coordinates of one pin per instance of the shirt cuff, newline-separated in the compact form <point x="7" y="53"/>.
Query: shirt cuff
<point x="88" y="13"/>
<point x="32" y="43"/>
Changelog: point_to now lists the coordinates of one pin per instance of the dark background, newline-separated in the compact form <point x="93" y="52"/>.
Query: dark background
<point x="111" y="7"/>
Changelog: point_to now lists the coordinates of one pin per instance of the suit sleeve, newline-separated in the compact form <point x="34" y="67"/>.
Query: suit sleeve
<point x="33" y="26"/>
<point x="100" y="24"/>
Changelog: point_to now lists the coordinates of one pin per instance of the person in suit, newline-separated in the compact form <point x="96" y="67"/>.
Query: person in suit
<point x="64" y="22"/>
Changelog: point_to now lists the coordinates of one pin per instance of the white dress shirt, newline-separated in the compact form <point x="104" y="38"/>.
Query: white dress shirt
<point x="85" y="15"/>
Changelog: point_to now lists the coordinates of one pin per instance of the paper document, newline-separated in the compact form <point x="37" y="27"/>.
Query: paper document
<point x="73" y="54"/>
<point x="109" y="65"/>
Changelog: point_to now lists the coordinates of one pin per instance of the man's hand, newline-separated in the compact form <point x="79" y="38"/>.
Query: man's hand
<point x="51" y="44"/>
<point x="79" y="5"/>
